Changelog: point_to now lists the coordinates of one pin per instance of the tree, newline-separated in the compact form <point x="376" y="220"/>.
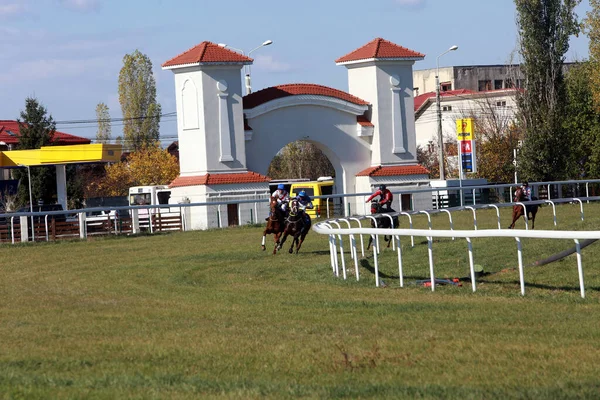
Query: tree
<point x="149" y="166"/>
<point x="544" y="28"/>
<point x="583" y="122"/>
<point x="300" y="159"/>
<point x="37" y="129"/>
<point x="104" y="127"/>
<point x="592" y="28"/>
<point x="137" y="96"/>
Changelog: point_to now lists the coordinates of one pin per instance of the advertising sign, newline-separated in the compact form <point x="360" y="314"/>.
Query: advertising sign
<point x="466" y="140"/>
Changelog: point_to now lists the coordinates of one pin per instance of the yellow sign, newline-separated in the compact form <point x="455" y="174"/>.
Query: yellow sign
<point x="464" y="129"/>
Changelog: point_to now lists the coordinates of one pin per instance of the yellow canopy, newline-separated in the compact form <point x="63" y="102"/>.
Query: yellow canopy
<point x="52" y="155"/>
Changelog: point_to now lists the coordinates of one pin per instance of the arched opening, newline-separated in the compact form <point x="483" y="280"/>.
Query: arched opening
<point x="301" y="159"/>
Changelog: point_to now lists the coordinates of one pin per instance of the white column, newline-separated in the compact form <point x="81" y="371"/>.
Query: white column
<point x="61" y="185"/>
<point x="224" y="128"/>
<point x="397" y="128"/>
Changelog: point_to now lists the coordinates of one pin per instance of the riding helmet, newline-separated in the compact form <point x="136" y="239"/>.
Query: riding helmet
<point x="302" y="194"/>
<point x="525" y="183"/>
<point x="382" y="187"/>
<point x="280" y="186"/>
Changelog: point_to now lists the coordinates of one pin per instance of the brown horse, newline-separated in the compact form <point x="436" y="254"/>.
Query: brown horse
<point x="382" y="222"/>
<point x="275" y="225"/>
<point x="518" y="211"/>
<point x="297" y="227"/>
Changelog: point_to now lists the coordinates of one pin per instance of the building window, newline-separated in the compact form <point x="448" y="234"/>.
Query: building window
<point x="498" y="84"/>
<point x="447" y="108"/>
<point x="485" y="85"/>
<point x="519" y="83"/>
<point x="508" y="83"/>
<point x="501" y="103"/>
<point x="445" y="86"/>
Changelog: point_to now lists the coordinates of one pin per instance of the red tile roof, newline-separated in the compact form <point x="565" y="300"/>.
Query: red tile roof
<point x="394" y="170"/>
<point x="10" y="133"/>
<point x="422" y="98"/>
<point x="219" y="179"/>
<point x="380" y="49"/>
<point x="363" y="121"/>
<point x="207" y="52"/>
<point x="276" y="92"/>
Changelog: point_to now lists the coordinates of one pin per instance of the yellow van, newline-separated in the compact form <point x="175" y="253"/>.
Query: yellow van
<point x="313" y="189"/>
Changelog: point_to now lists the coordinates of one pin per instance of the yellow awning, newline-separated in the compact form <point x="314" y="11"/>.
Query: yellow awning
<point x="52" y="155"/>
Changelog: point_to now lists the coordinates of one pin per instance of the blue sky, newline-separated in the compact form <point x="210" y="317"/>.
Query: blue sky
<point x="68" y="53"/>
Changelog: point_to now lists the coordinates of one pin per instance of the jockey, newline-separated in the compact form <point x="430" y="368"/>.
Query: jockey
<point x="282" y="197"/>
<point x="526" y="190"/>
<point x="386" y="197"/>
<point x="304" y="203"/>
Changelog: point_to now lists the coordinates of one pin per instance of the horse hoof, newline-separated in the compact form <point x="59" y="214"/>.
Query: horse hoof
<point x="263" y="248"/>
<point x="291" y="251"/>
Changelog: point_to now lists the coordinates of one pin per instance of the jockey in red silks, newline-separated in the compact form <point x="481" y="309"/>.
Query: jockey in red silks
<point x="282" y="197"/>
<point x="386" y="197"/>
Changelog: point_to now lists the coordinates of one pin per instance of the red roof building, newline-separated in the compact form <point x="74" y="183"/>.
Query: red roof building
<point x="206" y="53"/>
<point x="380" y="49"/>
<point x="10" y="133"/>
<point x="295" y="89"/>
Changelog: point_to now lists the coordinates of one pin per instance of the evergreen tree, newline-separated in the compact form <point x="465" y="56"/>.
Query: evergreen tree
<point x="37" y="129"/>
<point x="545" y="27"/>
<point x="137" y="95"/>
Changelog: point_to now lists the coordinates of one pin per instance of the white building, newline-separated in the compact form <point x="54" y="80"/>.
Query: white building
<point x="226" y="141"/>
<point x="497" y="105"/>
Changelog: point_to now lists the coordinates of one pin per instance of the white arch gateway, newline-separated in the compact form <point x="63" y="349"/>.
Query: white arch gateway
<point x="226" y="141"/>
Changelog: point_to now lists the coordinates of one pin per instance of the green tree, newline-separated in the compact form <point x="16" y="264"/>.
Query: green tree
<point x="582" y="122"/>
<point x="104" y="127"/>
<point x="137" y="96"/>
<point x="37" y="129"/>
<point x="592" y="29"/>
<point x="545" y="27"/>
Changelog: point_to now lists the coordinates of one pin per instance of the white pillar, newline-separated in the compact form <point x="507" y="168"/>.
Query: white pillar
<point x="61" y="185"/>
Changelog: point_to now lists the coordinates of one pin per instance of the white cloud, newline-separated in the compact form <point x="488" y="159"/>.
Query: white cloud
<point x="12" y="8"/>
<point x="51" y="69"/>
<point x="412" y="3"/>
<point x="81" y="5"/>
<point x="267" y="63"/>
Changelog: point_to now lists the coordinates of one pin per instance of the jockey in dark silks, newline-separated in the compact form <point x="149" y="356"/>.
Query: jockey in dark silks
<point x="304" y="203"/>
<point x="526" y="190"/>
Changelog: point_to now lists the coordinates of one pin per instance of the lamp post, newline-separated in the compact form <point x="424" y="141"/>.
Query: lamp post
<point x="247" y="68"/>
<point x="439" y="113"/>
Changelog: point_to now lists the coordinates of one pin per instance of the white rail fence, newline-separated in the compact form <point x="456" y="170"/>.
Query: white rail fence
<point x="342" y="227"/>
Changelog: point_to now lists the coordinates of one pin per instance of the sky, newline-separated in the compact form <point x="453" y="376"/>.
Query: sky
<point x="68" y="53"/>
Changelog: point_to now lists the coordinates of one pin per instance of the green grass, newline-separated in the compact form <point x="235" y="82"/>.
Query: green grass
<point x="206" y="314"/>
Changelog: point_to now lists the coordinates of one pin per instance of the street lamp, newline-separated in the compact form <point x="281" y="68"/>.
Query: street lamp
<point x="247" y="67"/>
<point x="439" y="113"/>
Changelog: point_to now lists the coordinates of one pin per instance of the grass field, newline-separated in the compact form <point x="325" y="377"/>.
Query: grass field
<point x="206" y="314"/>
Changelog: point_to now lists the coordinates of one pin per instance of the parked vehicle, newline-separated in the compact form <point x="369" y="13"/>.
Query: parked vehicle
<point x="320" y="187"/>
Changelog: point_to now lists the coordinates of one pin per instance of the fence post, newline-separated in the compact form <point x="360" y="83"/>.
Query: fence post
<point x="82" y="226"/>
<point x="135" y="221"/>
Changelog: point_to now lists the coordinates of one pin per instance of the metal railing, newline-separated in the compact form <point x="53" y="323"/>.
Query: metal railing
<point x="333" y="228"/>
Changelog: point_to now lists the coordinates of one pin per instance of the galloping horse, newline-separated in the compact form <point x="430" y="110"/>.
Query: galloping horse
<point x="382" y="222"/>
<point x="518" y="209"/>
<point x="275" y="225"/>
<point x="295" y="227"/>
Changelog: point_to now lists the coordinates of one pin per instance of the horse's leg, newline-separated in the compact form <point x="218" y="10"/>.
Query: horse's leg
<point x="282" y="240"/>
<point x="263" y="240"/>
<point x="294" y="241"/>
